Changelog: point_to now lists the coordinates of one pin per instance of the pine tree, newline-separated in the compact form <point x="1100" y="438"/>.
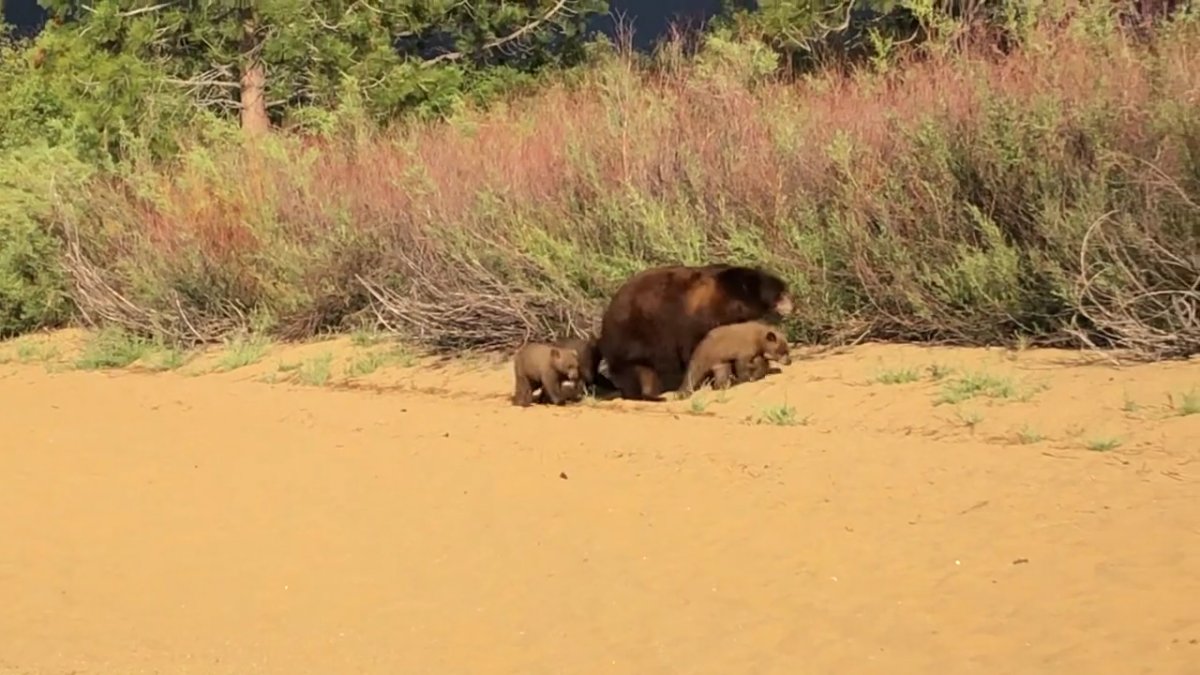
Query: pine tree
<point x="263" y="56"/>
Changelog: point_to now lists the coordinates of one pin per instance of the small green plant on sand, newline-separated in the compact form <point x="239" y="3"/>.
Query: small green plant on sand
<point x="31" y="352"/>
<point x="28" y="352"/>
<point x="782" y="415"/>
<point x="697" y="404"/>
<point x="1189" y="403"/>
<point x="365" y="365"/>
<point x="166" y="358"/>
<point x="1129" y="405"/>
<point x="241" y="352"/>
<point x="316" y="371"/>
<point x="402" y="356"/>
<point x="112" y="348"/>
<point x="969" y="419"/>
<point x="1027" y="435"/>
<point x="1103" y="444"/>
<point x="368" y="363"/>
<point x="898" y="376"/>
<point x="366" y="337"/>
<point x="972" y="385"/>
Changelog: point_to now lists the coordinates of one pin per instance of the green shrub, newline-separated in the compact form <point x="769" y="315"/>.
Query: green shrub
<point x="36" y="182"/>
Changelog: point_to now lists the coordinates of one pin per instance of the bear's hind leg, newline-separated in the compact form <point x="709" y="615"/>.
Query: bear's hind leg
<point x="759" y="367"/>
<point x="626" y="381"/>
<point x="744" y="370"/>
<point x="649" y="385"/>
<point x="722" y="376"/>
<point x="523" y="392"/>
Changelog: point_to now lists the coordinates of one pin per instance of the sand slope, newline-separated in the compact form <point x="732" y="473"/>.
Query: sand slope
<point x="410" y="520"/>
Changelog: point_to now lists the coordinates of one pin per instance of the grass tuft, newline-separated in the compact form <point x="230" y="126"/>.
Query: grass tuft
<point x="973" y="385"/>
<point x="166" y="358"/>
<point x="1129" y="405"/>
<point x="364" y="365"/>
<point x="898" y="376"/>
<point x="316" y="371"/>
<point x="365" y="337"/>
<point x="782" y="415"/>
<point x="1189" y="403"/>
<point x="112" y="348"/>
<point x="32" y="352"/>
<point x="1103" y="444"/>
<point x="243" y="351"/>
<point x="1026" y="435"/>
<point x="969" y="419"/>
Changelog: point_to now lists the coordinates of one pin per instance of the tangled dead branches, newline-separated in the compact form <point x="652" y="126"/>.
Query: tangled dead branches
<point x="466" y="306"/>
<point x="100" y="304"/>
<point x="1138" y="295"/>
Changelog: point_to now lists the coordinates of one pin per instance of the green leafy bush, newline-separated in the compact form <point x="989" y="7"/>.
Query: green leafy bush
<point x="36" y="185"/>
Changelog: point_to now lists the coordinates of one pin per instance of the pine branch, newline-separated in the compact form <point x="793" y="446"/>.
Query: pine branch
<point x="454" y="56"/>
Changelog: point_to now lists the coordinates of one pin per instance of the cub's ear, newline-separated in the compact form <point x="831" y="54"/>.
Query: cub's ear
<point x="554" y="353"/>
<point x="771" y="336"/>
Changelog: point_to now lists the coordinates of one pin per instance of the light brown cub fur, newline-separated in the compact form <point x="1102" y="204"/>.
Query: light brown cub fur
<point x="538" y="365"/>
<point x="747" y="346"/>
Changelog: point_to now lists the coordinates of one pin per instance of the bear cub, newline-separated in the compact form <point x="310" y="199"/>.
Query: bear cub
<point x="546" y="367"/>
<point x="587" y="350"/>
<point x="746" y="346"/>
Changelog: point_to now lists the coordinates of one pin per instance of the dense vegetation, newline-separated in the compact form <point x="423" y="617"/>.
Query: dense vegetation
<point x="473" y="174"/>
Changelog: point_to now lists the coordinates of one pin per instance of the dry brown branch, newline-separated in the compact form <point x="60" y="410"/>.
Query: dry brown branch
<point x="100" y="304"/>
<point x="449" y="302"/>
<point x="1152" y="316"/>
<point x="211" y="88"/>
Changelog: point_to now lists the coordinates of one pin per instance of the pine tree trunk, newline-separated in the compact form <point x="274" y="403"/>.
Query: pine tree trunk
<point x="253" y="82"/>
<point x="254" y="102"/>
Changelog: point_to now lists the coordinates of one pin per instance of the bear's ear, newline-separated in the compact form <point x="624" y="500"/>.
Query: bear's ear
<point x="771" y="337"/>
<point x="554" y="353"/>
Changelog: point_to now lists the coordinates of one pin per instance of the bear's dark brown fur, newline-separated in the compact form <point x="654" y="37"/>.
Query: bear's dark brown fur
<point x="589" y="357"/>
<point x="736" y="352"/>
<point x="658" y="316"/>
<point x="547" y="367"/>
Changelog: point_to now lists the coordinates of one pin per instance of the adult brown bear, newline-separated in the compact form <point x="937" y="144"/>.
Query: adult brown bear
<point x="658" y="316"/>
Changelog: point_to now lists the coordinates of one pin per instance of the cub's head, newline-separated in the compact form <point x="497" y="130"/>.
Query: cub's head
<point x="775" y="347"/>
<point x="566" y="362"/>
